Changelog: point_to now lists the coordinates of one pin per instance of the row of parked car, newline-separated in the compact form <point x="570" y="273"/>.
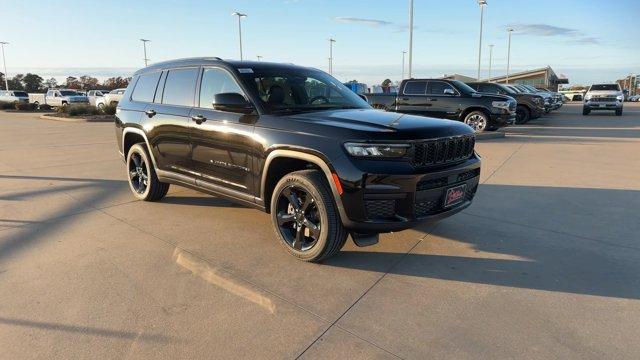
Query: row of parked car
<point x="64" y="97"/>
<point x="484" y="106"/>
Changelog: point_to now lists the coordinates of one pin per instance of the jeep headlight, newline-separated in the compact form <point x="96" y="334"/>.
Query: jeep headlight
<point x="500" y="105"/>
<point x="377" y="150"/>
<point x="620" y="97"/>
<point x="587" y="97"/>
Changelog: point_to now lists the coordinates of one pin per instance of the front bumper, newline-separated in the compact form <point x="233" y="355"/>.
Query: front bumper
<point x="380" y="203"/>
<point x="603" y="105"/>
<point x="503" y="119"/>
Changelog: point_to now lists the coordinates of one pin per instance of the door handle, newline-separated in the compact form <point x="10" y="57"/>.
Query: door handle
<point x="150" y="113"/>
<point x="405" y="99"/>
<point x="432" y="99"/>
<point x="199" y="119"/>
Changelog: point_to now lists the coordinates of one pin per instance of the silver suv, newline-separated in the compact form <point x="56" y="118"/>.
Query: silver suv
<point x="13" y="96"/>
<point x="603" y="97"/>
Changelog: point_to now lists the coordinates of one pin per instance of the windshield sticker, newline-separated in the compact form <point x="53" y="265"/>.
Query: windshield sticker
<point x="245" y="71"/>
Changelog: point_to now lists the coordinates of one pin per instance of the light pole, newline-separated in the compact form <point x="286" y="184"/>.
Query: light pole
<point x="144" y="46"/>
<point x="482" y="4"/>
<point x="6" y="77"/>
<point x="509" y="30"/>
<point x="240" y="16"/>
<point x="490" y="59"/>
<point x="331" y="41"/>
<point x="259" y="57"/>
<point x="410" y="36"/>
<point x="403" y="52"/>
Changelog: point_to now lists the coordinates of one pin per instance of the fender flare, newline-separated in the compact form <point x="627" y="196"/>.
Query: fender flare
<point x="314" y="159"/>
<point x="134" y="130"/>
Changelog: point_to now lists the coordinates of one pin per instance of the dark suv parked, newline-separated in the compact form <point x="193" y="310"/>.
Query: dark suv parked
<point x="530" y="106"/>
<point x="448" y="99"/>
<point x="296" y="143"/>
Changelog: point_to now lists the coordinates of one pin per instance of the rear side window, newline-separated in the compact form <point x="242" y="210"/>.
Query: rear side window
<point x="415" y="88"/>
<point x="146" y="87"/>
<point x="490" y="89"/>
<point x="216" y="81"/>
<point x="180" y="87"/>
<point x="438" y="88"/>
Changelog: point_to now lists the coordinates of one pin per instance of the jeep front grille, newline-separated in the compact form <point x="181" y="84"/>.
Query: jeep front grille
<point x="443" y="151"/>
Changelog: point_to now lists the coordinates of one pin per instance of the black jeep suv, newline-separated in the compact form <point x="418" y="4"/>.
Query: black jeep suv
<point x="296" y="143"/>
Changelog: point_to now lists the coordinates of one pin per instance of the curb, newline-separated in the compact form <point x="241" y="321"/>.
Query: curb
<point x="490" y="135"/>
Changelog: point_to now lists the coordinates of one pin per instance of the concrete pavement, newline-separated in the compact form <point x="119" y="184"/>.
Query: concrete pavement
<point x="545" y="263"/>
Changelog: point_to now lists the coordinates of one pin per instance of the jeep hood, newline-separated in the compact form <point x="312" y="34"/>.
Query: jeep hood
<point x="604" y="93"/>
<point x="396" y="126"/>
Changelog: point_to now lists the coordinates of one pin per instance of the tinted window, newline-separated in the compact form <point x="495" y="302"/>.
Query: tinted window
<point x="216" y="81"/>
<point x="488" y="88"/>
<point x="415" y="88"/>
<point x="180" y="86"/>
<point x="145" y="87"/>
<point x="20" y="93"/>
<point x="438" y="88"/>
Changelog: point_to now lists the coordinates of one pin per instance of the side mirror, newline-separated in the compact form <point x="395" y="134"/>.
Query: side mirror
<point x="232" y="102"/>
<point x="449" y="92"/>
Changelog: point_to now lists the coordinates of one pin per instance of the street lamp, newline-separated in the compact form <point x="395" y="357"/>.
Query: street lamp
<point x="403" y="52"/>
<point x="240" y="16"/>
<point x="410" y="36"/>
<point x="509" y="30"/>
<point x="259" y="57"/>
<point x="482" y="4"/>
<point x="490" y="59"/>
<point x="6" y="77"/>
<point x="331" y="41"/>
<point x="144" y="46"/>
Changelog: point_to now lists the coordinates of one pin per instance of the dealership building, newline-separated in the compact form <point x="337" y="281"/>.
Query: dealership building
<point x="540" y="78"/>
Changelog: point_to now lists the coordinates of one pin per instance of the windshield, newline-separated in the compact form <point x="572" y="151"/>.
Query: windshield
<point x="20" y="93"/>
<point x="463" y="87"/>
<point x="69" y="93"/>
<point x="607" y="87"/>
<point x="286" y="89"/>
<point x="507" y="89"/>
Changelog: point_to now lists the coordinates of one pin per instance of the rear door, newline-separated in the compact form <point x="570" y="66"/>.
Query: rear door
<point x="443" y="100"/>
<point x="222" y="142"/>
<point x="412" y="98"/>
<point x="167" y="119"/>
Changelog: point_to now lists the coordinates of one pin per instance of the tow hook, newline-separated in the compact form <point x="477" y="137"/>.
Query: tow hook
<point x="362" y="240"/>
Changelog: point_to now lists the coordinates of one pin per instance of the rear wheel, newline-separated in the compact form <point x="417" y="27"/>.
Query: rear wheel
<point x="305" y="216"/>
<point x="478" y="120"/>
<point x="523" y="115"/>
<point x="143" y="180"/>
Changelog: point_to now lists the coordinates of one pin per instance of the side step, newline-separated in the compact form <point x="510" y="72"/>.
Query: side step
<point x="363" y="240"/>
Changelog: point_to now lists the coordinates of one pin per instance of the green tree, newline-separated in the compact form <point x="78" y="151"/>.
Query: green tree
<point x="116" y="82"/>
<point x="16" y="82"/>
<point x="32" y="82"/>
<point x="88" y="82"/>
<point x="51" y="83"/>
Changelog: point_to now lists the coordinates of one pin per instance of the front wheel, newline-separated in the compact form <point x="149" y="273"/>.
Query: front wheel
<point x="619" y="112"/>
<point x="478" y="120"/>
<point x="305" y="216"/>
<point x="585" y="111"/>
<point x="100" y="106"/>
<point x="143" y="181"/>
<point x="523" y="115"/>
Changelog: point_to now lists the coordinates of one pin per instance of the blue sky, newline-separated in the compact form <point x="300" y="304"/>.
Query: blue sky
<point x="586" y="40"/>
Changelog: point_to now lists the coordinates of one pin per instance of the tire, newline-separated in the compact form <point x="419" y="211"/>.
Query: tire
<point x="619" y="112"/>
<point x="319" y="212"/>
<point x="139" y="167"/>
<point x="64" y="104"/>
<point x="523" y="114"/>
<point x="478" y="120"/>
<point x="585" y="111"/>
<point x="100" y="106"/>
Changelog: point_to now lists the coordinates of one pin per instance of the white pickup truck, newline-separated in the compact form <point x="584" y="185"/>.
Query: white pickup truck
<point x="64" y="97"/>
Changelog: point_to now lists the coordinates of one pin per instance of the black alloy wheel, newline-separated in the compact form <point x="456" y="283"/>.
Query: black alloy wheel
<point x="138" y="173"/>
<point x="298" y="218"/>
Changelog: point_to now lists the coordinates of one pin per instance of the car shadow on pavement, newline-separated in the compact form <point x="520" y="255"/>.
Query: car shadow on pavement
<point x="492" y="243"/>
<point x="87" y="330"/>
